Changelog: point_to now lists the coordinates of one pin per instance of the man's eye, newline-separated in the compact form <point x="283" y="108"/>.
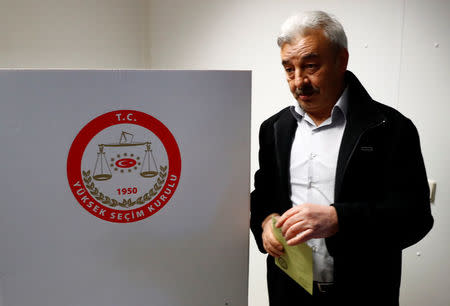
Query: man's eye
<point x="288" y="69"/>
<point x="311" y="66"/>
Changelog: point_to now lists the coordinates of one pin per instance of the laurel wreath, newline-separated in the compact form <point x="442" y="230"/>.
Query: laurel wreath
<point x="126" y="202"/>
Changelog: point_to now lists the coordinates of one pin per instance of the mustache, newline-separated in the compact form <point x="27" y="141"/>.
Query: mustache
<point x="306" y="91"/>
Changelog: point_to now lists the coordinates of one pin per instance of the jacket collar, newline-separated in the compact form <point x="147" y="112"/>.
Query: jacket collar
<point x="362" y="115"/>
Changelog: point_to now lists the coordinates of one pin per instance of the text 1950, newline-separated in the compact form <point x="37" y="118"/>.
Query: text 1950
<point x="130" y="190"/>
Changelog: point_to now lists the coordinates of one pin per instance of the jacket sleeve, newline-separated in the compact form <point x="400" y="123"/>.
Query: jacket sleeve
<point x="262" y="198"/>
<point x="401" y="216"/>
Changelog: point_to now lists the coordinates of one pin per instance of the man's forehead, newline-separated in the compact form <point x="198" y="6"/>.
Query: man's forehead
<point x="300" y="51"/>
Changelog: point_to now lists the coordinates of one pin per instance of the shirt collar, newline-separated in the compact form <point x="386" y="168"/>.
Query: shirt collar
<point x="340" y="108"/>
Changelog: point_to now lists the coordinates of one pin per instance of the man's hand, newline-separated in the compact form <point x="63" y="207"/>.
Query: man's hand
<point x="307" y="221"/>
<point x="270" y="243"/>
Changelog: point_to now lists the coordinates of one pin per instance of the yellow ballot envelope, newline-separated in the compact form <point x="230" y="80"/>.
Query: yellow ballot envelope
<point x="296" y="261"/>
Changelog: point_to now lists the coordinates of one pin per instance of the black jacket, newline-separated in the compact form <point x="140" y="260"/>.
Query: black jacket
<point x="381" y="195"/>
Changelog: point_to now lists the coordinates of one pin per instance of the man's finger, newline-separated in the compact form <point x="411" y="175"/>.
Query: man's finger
<point x="275" y="253"/>
<point x="273" y="250"/>
<point x="286" y="215"/>
<point x="304" y="236"/>
<point x="294" y="219"/>
<point x="271" y="240"/>
<point x="295" y="229"/>
<point x="271" y="244"/>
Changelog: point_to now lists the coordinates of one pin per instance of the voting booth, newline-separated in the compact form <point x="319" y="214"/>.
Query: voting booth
<point x="124" y="187"/>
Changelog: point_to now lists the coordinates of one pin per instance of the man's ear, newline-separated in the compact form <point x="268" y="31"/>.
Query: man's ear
<point x="342" y="61"/>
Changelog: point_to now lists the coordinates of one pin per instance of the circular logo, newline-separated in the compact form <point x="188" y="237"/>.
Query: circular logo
<point x="282" y="263"/>
<point x="124" y="166"/>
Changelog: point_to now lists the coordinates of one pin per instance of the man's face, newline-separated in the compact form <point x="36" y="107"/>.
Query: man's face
<point x="314" y="70"/>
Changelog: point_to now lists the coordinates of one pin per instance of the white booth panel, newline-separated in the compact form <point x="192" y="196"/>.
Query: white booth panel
<point x="163" y="155"/>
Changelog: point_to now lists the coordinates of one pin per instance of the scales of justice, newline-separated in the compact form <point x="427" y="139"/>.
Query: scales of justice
<point x="149" y="167"/>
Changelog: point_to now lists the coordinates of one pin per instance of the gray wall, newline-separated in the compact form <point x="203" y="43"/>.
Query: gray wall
<point x="392" y="49"/>
<point x="74" y="34"/>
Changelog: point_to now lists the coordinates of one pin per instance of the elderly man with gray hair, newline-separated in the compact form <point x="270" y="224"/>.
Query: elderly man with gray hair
<point x="339" y="172"/>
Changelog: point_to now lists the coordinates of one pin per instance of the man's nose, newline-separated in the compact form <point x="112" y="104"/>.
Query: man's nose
<point x="300" y="79"/>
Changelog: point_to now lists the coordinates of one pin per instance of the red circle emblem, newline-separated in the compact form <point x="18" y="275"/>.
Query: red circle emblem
<point x="124" y="166"/>
<point x="125" y="163"/>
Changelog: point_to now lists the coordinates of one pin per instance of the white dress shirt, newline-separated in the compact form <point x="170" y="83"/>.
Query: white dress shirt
<point x="313" y="163"/>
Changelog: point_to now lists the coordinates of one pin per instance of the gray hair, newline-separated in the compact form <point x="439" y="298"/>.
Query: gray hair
<point x="301" y="23"/>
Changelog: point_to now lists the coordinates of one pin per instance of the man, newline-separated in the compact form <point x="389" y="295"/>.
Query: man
<point x="338" y="171"/>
